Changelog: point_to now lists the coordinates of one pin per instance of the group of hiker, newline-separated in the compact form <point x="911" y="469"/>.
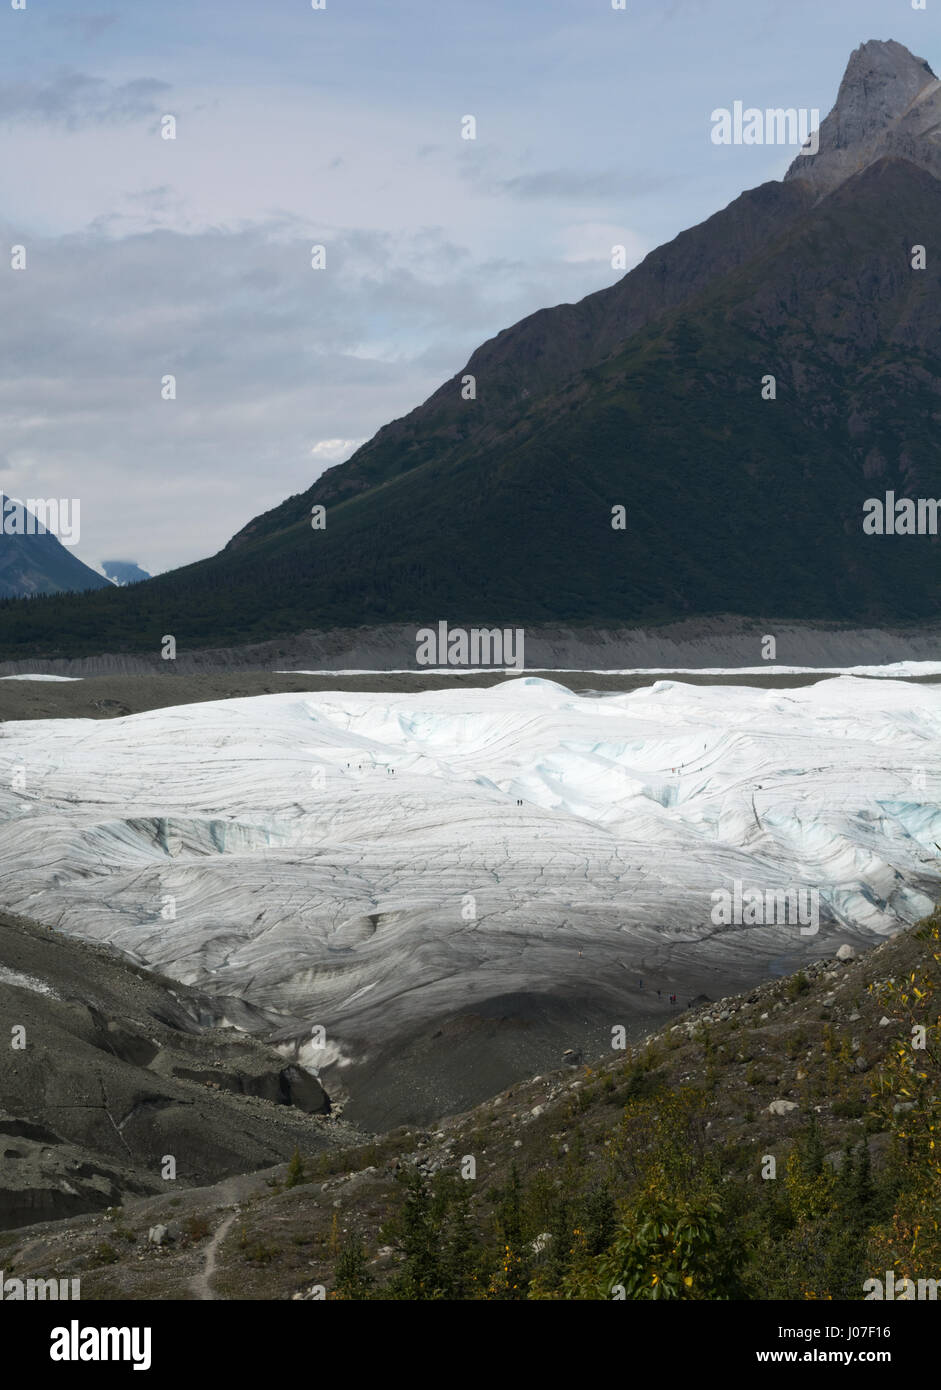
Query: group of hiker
<point x="640" y="985"/>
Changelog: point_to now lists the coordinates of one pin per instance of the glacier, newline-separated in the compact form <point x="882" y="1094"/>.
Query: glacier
<point x="364" y="863"/>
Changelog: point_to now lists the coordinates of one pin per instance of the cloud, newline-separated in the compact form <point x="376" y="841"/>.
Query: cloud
<point x="90" y="26"/>
<point x="561" y="184"/>
<point x="156" y="197"/>
<point x="74" y="99"/>
<point x="192" y="257"/>
<point x="576" y="184"/>
<point x="335" y="450"/>
<point x="281" y="371"/>
<point x="588" y="243"/>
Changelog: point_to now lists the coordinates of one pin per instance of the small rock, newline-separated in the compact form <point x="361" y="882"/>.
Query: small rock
<point x="781" y="1107"/>
<point x="846" y="953"/>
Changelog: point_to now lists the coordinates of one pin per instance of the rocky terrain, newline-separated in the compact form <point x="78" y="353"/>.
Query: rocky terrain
<point x="889" y="104"/>
<point x="756" y="1068"/>
<point x="700" y="643"/>
<point x="107" y="1070"/>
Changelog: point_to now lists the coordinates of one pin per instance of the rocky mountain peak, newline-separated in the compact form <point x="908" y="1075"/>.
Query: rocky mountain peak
<point x="889" y="104"/>
<point x="881" y="81"/>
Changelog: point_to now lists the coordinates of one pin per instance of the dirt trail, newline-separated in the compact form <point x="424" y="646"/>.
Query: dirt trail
<point x="201" y="1283"/>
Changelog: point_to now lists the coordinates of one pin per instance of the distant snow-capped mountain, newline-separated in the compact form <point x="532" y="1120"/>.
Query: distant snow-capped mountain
<point x="123" y="572"/>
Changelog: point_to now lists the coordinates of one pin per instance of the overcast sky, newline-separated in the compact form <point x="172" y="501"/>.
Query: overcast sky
<point x="341" y="126"/>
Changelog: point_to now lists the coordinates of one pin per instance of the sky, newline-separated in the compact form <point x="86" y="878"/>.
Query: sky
<point x="338" y="127"/>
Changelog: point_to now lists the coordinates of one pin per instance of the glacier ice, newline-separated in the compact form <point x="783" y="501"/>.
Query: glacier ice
<point x="360" y="861"/>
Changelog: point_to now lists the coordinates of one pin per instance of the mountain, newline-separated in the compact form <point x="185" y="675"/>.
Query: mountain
<point x="36" y="561"/>
<point x="889" y="105"/>
<point x="646" y="395"/>
<point x="124" y="571"/>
